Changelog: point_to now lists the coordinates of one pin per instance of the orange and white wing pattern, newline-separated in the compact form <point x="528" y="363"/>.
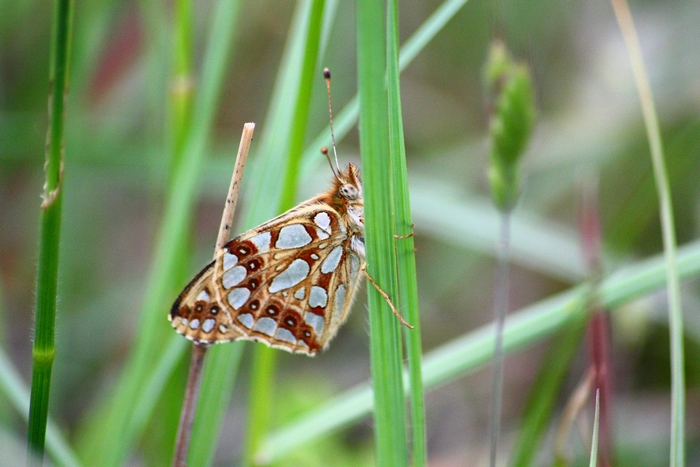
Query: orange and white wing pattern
<point x="288" y="283"/>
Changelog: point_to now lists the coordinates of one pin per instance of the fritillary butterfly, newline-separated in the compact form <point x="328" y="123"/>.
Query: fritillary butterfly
<point x="288" y="283"/>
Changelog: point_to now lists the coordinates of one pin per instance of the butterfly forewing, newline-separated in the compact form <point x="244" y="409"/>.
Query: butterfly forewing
<point x="288" y="283"/>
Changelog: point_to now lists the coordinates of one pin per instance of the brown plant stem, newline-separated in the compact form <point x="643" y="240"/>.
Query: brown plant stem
<point x="184" y="430"/>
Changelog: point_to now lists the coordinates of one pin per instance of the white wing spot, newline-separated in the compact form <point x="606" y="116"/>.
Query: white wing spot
<point x="331" y="262"/>
<point x="194" y="324"/>
<point x="300" y="293"/>
<point x="322" y="234"/>
<point x="285" y="335"/>
<point x="233" y="276"/>
<point x="203" y="295"/>
<point x="262" y="241"/>
<point x="246" y="319"/>
<point x="293" y="236"/>
<point x="184" y="321"/>
<point x="314" y="256"/>
<point x="208" y="325"/>
<point x="229" y="261"/>
<point x="323" y="220"/>
<point x="266" y="326"/>
<point x="222" y="328"/>
<point x="315" y="321"/>
<point x="238" y="296"/>
<point x="339" y="300"/>
<point x="295" y="273"/>
<point x="318" y="297"/>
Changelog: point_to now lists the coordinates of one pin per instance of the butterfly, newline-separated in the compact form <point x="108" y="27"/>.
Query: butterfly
<point x="288" y="283"/>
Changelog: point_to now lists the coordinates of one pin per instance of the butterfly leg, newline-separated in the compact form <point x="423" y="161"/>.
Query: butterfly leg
<point x="386" y="297"/>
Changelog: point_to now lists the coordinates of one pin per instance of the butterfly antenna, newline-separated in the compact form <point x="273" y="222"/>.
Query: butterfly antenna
<point x="327" y="76"/>
<point x="324" y="151"/>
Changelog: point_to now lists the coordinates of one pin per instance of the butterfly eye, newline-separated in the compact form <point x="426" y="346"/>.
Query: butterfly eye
<point x="348" y="192"/>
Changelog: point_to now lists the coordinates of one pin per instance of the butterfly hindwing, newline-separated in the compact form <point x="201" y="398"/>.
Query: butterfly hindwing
<point x="289" y="282"/>
<point x="284" y="283"/>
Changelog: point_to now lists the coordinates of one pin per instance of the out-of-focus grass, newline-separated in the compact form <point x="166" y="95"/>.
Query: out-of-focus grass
<point x="119" y="153"/>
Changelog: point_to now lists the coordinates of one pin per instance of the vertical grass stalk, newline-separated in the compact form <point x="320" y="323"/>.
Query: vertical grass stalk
<point x="668" y="231"/>
<point x="405" y="254"/>
<point x="47" y="275"/>
<point x="385" y="338"/>
<point x="510" y="127"/>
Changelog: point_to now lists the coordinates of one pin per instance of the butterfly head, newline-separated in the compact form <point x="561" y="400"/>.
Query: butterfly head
<point x="348" y="198"/>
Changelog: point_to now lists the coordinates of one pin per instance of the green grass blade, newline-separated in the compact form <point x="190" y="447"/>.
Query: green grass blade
<point x="668" y="231"/>
<point x="405" y="254"/>
<point x="385" y="338"/>
<point x="110" y="436"/>
<point x="44" y="350"/>
<point x="472" y="351"/>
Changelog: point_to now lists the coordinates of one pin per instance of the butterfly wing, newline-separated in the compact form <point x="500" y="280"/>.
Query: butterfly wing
<point x="288" y="283"/>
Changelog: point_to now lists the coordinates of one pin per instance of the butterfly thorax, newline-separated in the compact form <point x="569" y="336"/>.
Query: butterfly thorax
<point x="346" y="198"/>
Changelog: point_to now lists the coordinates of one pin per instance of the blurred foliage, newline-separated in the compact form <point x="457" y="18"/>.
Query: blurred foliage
<point x="117" y="171"/>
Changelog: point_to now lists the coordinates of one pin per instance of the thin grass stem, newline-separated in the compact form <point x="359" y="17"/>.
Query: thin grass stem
<point x="500" y="309"/>
<point x="184" y="431"/>
<point x="668" y="231"/>
<point x="43" y="351"/>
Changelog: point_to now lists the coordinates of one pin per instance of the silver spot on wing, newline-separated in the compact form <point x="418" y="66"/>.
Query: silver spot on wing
<point x="318" y="297"/>
<point x="266" y="326"/>
<point x="295" y="273"/>
<point x="331" y="262"/>
<point x="233" y="276"/>
<point x="315" y="321"/>
<point x="230" y="261"/>
<point x="238" y="296"/>
<point x="262" y="241"/>
<point x="293" y="236"/>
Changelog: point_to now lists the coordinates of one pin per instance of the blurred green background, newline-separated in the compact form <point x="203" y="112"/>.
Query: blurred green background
<point x="589" y="128"/>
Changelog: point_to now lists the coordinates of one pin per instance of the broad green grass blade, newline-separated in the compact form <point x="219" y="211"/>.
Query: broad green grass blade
<point x="108" y="438"/>
<point x="385" y="338"/>
<point x="43" y="351"/>
<point x="467" y="354"/>
<point x="668" y="231"/>
<point x="405" y="254"/>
